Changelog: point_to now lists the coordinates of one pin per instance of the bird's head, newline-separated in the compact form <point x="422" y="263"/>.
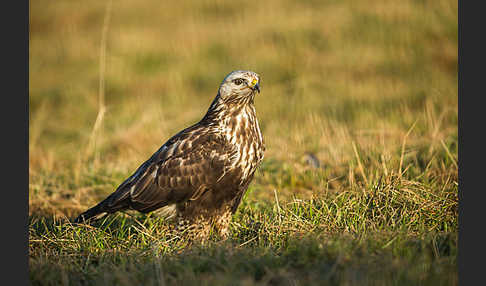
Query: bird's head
<point x="239" y="86"/>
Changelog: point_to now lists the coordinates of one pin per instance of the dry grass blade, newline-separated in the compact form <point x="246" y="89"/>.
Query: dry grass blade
<point x="402" y="155"/>
<point x="454" y="161"/>
<point x="278" y="206"/>
<point x="360" y="166"/>
<point x="101" y="89"/>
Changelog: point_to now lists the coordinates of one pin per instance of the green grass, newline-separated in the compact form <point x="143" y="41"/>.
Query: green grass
<point x="381" y="237"/>
<point x="369" y="88"/>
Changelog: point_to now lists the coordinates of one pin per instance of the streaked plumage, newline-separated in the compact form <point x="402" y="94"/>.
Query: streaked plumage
<point x="202" y="172"/>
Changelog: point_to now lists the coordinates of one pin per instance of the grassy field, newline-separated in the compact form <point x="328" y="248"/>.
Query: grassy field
<point x="359" y="185"/>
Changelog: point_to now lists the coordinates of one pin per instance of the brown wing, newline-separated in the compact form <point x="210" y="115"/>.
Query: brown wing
<point x="183" y="168"/>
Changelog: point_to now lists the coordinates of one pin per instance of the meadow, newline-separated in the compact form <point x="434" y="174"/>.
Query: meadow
<point x="359" y="184"/>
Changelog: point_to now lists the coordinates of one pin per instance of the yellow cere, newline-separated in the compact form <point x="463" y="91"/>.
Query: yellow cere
<point x="253" y="82"/>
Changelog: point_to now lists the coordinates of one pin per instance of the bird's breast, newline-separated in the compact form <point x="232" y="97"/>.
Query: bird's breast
<point x="244" y="135"/>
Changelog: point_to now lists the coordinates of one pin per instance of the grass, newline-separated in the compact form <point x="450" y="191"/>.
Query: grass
<point x="359" y="185"/>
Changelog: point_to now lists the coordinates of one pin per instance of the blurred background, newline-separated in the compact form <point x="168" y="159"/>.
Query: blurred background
<point x="342" y="84"/>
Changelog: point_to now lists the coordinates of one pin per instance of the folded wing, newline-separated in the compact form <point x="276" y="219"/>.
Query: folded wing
<point x="187" y="165"/>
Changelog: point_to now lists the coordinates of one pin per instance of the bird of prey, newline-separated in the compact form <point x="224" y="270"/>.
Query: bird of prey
<point x="201" y="173"/>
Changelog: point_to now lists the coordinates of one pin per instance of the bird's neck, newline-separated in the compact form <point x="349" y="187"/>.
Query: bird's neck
<point x="223" y="112"/>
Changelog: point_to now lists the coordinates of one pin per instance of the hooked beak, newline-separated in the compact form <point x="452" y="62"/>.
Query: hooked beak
<point x="257" y="87"/>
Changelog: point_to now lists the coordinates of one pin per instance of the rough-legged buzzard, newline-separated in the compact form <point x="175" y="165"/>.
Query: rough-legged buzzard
<point x="202" y="172"/>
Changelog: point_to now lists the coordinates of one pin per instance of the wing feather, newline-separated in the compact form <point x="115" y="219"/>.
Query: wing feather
<point x="183" y="168"/>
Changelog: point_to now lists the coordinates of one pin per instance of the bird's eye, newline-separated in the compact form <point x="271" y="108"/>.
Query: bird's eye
<point x="238" y="81"/>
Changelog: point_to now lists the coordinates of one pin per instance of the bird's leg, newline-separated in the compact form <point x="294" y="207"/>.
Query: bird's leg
<point x="221" y="223"/>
